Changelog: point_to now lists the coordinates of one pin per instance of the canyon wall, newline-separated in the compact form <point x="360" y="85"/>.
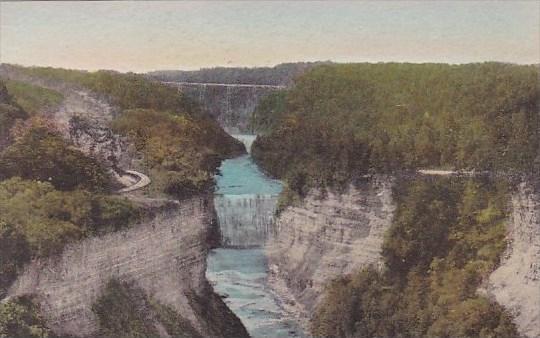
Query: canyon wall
<point x="516" y="283"/>
<point x="326" y="237"/>
<point x="333" y="235"/>
<point x="165" y="256"/>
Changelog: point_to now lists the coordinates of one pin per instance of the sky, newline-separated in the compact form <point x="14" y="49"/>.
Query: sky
<point x="142" y="36"/>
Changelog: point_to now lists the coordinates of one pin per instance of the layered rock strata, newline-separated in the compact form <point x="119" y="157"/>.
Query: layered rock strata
<point x="165" y="256"/>
<point x="326" y="237"/>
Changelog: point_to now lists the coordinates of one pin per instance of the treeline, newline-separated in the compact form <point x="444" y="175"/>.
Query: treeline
<point x="124" y="90"/>
<point x="160" y="120"/>
<point x="342" y="121"/>
<point x="10" y="113"/>
<point x="33" y="99"/>
<point x="446" y="237"/>
<point x="181" y="153"/>
<point x="282" y="74"/>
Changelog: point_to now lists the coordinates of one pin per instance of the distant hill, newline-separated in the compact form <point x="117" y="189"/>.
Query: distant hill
<point x="282" y="74"/>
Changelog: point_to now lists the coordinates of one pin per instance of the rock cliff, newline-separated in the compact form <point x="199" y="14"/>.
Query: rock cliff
<point x="333" y="235"/>
<point x="165" y="256"/>
<point x="516" y="283"/>
<point x="328" y="236"/>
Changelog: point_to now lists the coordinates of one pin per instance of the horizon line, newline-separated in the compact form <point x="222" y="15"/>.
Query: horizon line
<point x="209" y="67"/>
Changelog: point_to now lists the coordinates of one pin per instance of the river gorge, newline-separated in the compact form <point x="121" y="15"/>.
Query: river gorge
<point x="245" y="201"/>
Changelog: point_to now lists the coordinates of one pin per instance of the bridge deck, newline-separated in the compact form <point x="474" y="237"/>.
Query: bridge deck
<point x="247" y="85"/>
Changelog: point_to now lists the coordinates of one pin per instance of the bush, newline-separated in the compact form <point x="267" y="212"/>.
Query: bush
<point x="20" y="318"/>
<point x="125" y="311"/>
<point x="42" y="154"/>
<point x="14" y="253"/>
<point x="34" y="99"/>
<point x="182" y="152"/>
<point x="37" y="220"/>
<point x="10" y="113"/>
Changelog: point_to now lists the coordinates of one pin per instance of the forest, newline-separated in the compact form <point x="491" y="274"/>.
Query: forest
<point x="342" y="121"/>
<point x="160" y="121"/>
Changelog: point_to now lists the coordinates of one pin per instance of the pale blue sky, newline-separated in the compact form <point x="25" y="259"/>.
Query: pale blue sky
<point x="142" y="36"/>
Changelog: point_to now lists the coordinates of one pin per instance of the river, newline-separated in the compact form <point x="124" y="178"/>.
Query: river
<point x="245" y="201"/>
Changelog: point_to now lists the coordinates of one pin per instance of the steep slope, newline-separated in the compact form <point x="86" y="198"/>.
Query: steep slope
<point x="516" y="283"/>
<point x="165" y="256"/>
<point x="326" y="237"/>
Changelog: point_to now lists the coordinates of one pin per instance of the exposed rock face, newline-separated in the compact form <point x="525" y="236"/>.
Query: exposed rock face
<point x="82" y="117"/>
<point x="231" y="105"/>
<point x="328" y="237"/>
<point x="165" y="256"/>
<point x="516" y="283"/>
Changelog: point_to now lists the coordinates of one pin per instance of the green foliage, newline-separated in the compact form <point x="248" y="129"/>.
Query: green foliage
<point x="10" y="113"/>
<point x="37" y="220"/>
<point x="20" y="318"/>
<point x="174" y="323"/>
<point x="342" y="121"/>
<point x="119" y="312"/>
<point x="447" y="235"/>
<point x="182" y="152"/>
<point x="182" y="147"/>
<point x="42" y="154"/>
<point x="48" y="218"/>
<point x="128" y="91"/>
<point x="125" y="311"/>
<point x="33" y="99"/>
<point x="423" y="218"/>
<point x="269" y="112"/>
<point x="14" y="252"/>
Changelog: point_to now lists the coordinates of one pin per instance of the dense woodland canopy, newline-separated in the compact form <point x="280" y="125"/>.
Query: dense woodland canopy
<point x="342" y="121"/>
<point x="180" y="153"/>
<point x="124" y="90"/>
<point x="34" y="99"/>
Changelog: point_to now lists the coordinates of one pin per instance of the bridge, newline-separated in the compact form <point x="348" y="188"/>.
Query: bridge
<point x="231" y="104"/>
<point x="234" y="85"/>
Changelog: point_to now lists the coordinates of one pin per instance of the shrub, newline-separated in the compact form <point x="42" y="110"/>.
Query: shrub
<point x="21" y="318"/>
<point x="42" y="154"/>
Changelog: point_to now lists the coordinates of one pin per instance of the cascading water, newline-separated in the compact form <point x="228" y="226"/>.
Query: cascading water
<point x="245" y="202"/>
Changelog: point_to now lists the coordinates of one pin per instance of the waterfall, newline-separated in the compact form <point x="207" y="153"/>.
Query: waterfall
<point x="245" y="220"/>
<point x="245" y="202"/>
